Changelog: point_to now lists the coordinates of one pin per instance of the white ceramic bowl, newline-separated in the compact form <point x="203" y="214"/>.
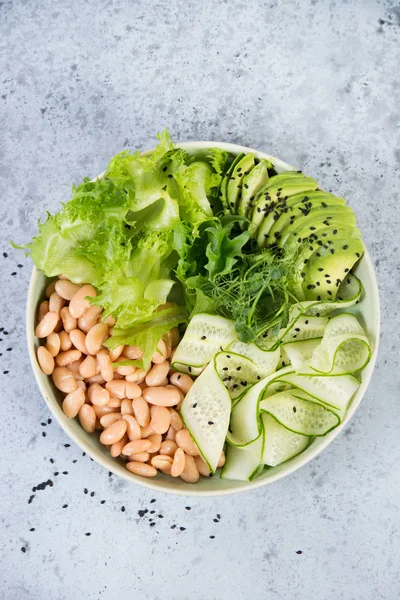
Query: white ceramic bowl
<point x="367" y="310"/>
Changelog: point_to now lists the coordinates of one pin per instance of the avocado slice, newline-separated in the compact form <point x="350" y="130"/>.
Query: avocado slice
<point x="329" y="216"/>
<point x="223" y="192"/>
<point x="323" y="237"/>
<point x="252" y="183"/>
<point x="272" y="191"/>
<point x="242" y="168"/>
<point x="328" y="266"/>
<point x="285" y="210"/>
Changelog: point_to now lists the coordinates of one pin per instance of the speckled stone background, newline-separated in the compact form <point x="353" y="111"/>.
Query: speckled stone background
<point x="316" y="83"/>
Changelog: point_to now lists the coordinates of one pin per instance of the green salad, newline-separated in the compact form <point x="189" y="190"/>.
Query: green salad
<point x="254" y="266"/>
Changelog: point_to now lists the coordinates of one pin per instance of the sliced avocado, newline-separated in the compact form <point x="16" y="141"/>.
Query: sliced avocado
<point x="252" y="184"/>
<point x="272" y="191"/>
<point x="343" y="215"/>
<point x="223" y="193"/>
<point x="285" y="175"/>
<point x="323" y="237"/>
<point x="328" y="266"/>
<point x="283" y="210"/>
<point x="242" y="168"/>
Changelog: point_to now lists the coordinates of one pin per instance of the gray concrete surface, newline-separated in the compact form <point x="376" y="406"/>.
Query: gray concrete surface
<point x="316" y="83"/>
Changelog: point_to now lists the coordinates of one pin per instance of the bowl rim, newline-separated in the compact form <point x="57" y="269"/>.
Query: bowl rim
<point x="291" y="467"/>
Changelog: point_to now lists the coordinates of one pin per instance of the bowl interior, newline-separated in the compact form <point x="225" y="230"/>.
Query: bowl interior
<point x="367" y="311"/>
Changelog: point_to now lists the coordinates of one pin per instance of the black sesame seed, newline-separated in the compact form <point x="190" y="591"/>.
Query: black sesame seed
<point x="188" y="507"/>
<point x="182" y="528"/>
<point x="203" y="337"/>
<point x="122" y="508"/>
<point x="88" y="533"/>
<point x="211" y="422"/>
<point x="32" y="529"/>
<point x="212" y="537"/>
<point x="91" y="494"/>
<point x="299" y="552"/>
<point x="294" y="409"/>
<point x="65" y="505"/>
<point x="194" y="405"/>
<point x="23" y="549"/>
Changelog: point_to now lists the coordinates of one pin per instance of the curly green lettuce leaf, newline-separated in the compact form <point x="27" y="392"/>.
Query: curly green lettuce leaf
<point x="87" y="238"/>
<point x="147" y="332"/>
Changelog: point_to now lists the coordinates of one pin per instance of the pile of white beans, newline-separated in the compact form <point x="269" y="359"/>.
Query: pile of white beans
<point x="136" y="411"/>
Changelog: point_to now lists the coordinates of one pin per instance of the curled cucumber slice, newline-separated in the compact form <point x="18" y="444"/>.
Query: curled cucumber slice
<point x="335" y="392"/>
<point x="204" y="337"/>
<point x="280" y="444"/>
<point x="205" y="412"/>
<point x="243" y="464"/>
<point x="299" y="353"/>
<point x="300" y="413"/>
<point x="242" y="365"/>
<point x="344" y="347"/>
<point x="245" y="424"/>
